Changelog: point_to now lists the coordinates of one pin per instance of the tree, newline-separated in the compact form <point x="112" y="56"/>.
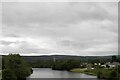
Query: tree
<point x="67" y="64"/>
<point x="114" y="58"/>
<point x="99" y="73"/>
<point x="8" y="75"/>
<point x="115" y="74"/>
<point x="15" y="67"/>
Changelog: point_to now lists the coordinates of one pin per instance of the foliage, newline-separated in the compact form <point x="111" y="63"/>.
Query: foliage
<point x="99" y="72"/>
<point x="114" y="58"/>
<point x="8" y="75"/>
<point x="66" y="64"/>
<point x="115" y="74"/>
<point x="14" y="67"/>
<point x="42" y="64"/>
<point x="110" y="74"/>
<point x="82" y="59"/>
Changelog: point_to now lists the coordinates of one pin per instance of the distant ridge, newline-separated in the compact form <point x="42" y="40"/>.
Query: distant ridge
<point x="62" y="57"/>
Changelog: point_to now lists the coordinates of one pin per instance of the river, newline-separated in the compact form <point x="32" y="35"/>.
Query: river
<point x="48" y="73"/>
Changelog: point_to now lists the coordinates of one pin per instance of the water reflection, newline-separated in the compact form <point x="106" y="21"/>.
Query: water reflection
<point x="48" y="74"/>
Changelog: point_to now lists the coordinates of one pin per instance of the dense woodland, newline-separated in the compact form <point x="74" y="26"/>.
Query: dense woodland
<point x="63" y="60"/>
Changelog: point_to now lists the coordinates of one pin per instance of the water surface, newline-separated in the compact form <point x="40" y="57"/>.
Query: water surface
<point x="49" y="73"/>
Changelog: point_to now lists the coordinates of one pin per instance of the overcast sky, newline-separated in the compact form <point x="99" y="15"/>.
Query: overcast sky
<point x="66" y="28"/>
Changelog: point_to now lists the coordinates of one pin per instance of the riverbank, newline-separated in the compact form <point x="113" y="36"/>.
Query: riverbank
<point x="104" y="73"/>
<point x="85" y="71"/>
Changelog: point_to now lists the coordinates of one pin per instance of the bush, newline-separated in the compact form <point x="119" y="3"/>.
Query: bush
<point x="115" y="74"/>
<point x="8" y="75"/>
<point x="15" y="67"/>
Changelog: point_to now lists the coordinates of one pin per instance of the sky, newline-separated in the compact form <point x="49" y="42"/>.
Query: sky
<point x="60" y="28"/>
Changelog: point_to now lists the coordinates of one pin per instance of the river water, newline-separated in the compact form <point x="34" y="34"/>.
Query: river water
<point x="48" y="73"/>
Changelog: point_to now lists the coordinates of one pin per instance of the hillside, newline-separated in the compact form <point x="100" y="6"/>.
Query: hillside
<point x="64" y="57"/>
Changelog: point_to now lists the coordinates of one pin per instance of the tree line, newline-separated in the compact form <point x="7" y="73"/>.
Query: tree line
<point x="65" y="64"/>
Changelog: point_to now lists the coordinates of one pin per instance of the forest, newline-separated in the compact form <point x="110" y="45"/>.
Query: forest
<point x="49" y="61"/>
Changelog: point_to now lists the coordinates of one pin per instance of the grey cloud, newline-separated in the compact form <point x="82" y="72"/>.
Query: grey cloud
<point x="11" y="35"/>
<point x="52" y="13"/>
<point x="22" y="47"/>
<point x="85" y="44"/>
<point x="67" y="28"/>
<point x="105" y="53"/>
<point x="6" y="43"/>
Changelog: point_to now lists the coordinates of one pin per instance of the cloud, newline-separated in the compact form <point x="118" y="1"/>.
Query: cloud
<point x="60" y="28"/>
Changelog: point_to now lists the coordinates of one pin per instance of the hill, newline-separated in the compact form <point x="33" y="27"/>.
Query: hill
<point x="64" y="57"/>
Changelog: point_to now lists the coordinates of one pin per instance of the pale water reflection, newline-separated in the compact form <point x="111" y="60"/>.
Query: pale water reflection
<point x="48" y="73"/>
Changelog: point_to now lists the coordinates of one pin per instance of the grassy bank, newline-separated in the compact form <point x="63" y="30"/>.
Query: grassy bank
<point x="85" y="71"/>
<point x="104" y="73"/>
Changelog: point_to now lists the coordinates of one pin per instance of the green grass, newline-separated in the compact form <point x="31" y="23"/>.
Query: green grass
<point x="79" y="70"/>
<point x="104" y="72"/>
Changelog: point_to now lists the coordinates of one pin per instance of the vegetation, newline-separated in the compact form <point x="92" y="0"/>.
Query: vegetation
<point x="110" y="74"/>
<point x="114" y="58"/>
<point x="115" y="74"/>
<point x="66" y="64"/>
<point x="15" y="68"/>
<point x="0" y="75"/>
<point x="0" y="67"/>
<point x="48" y="62"/>
<point x="84" y="70"/>
<point x="100" y="72"/>
<point x="82" y="59"/>
<point x="42" y="64"/>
